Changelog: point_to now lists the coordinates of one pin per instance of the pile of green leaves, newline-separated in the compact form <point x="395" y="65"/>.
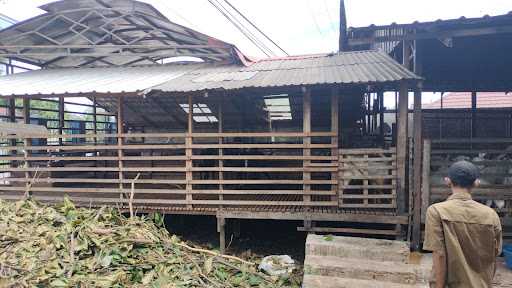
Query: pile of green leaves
<point x="66" y="246"/>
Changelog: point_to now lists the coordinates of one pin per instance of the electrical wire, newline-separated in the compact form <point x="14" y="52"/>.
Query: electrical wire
<point x="256" y="27"/>
<point x="230" y="17"/>
<point x="233" y="20"/>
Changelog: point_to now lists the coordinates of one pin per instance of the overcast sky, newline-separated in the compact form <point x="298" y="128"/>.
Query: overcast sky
<point x="299" y="26"/>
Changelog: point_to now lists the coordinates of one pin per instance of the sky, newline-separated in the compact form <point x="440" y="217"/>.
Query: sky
<point x="298" y="26"/>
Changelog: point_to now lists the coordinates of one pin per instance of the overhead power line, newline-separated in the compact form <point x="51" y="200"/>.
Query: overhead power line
<point x="256" y="27"/>
<point x="241" y="28"/>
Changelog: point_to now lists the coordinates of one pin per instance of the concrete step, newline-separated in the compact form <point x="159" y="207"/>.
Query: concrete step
<point x="356" y="247"/>
<point x="364" y="269"/>
<point x="316" y="281"/>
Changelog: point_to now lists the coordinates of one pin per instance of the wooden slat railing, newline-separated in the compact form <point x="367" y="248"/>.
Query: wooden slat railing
<point x="367" y="178"/>
<point x="175" y="171"/>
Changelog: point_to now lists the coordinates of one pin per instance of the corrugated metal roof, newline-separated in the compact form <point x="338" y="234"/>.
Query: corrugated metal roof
<point x="343" y="68"/>
<point x="90" y="80"/>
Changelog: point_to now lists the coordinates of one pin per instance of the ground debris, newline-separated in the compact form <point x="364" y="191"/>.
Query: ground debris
<point x="66" y="246"/>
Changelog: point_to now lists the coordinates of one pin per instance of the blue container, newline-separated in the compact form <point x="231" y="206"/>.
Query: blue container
<point x="507" y="251"/>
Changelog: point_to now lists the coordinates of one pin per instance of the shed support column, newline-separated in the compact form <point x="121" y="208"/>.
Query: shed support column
<point x="401" y="146"/>
<point x="188" y="152"/>
<point x="221" y="151"/>
<point x="26" y="144"/>
<point x="334" y="139"/>
<point x="306" y="152"/>
<point x="95" y="119"/>
<point x="120" y="112"/>
<point x="418" y="149"/>
<point x="12" y="118"/>
<point x="380" y="97"/>
<point x="61" y="118"/>
<point x="221" y="226"/>
<point x="473" y="115"/>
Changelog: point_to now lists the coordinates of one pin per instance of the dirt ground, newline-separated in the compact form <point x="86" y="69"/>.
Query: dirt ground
<point x="256" y="240"/>
<point x="266" y="237"/>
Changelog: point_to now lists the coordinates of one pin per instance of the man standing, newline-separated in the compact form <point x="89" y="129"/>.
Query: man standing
<point x="464" y="235"/>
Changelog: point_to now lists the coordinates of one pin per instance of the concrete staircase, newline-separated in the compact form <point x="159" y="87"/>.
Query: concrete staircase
<point x="337" y="262"/>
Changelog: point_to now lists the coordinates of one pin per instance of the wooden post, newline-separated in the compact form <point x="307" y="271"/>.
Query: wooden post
<point x="221" y="151"/>
<point x="120" y="131"/>
<point x="306" y="151"/>
<point x="26" y="143"/>
<point x="221" y="228"/>
<point x="473" y="115"/>
<point x="61" y="118"/>
<point x="418" y="142"/>
<point x="334" y="139"/>
<point x="425" y="187"/>
<point x="12" y="118"/>
<point x="401" y="145"/>
<point x="380" y="96"/>
<point x="188" y="151"/>
<point x="95" y="119"/>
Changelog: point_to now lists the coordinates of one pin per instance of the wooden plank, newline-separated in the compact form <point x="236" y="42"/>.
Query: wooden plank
<point x="370" y="159"/>
<point x="374" y="206"/>
<point x="371" y="196"/>
<point x="334" y="139"/>
<point x="96" y="180"/>
<point x="472" y="140"/>
<point x="120" y="130"/>
<point x="362" y="151"/>
<point x="61" y="117"/>
<point x="26" y="143"/>
<point x="337" y="217"/>
<point x="348" y="230"/>
<point x="188" y="150"/>
<point x="368" y="177"/>
<point x="263" y="169"/>
<point x="367" y="186"/>
<point x="418" y="150"/>
<point x="425" y="181"/>
<point x="306" y="142"/>
<point x="468" y="151"/>
<point x="21" y="129"/>
<point x="401" y="144"/>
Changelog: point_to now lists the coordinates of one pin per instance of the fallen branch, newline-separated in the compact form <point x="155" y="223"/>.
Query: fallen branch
<point x="215" y="254"/>
<point x="132" y="193"/>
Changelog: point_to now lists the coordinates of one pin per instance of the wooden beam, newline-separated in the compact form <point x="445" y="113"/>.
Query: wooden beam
<point x="380" y="97"/>
<point x="188" y="150"/>
<point x="401" y="146"/>
<point x="220" y="119"/>
<point x="418" y="149"/>
<point x="425" y="187"/>
<point x="429" y="35"/>
<point x="120" y="120"/>
<point x="95" y="118"/>
<point x="306" y="128"/>
<point x="12" y="119"/>
<point x="473" y="114"/>
<point x="61" y="117"/>
<point x="26" y="143"/>
<point x="334" y="130"/>
<point x="221" y="228"/>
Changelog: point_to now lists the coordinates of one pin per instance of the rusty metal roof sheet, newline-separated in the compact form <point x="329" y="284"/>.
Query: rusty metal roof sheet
<point x="342" y="68"/>
<point x="363" y="67"/>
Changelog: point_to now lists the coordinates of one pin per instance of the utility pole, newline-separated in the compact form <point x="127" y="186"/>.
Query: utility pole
<point x="343" y="40"/>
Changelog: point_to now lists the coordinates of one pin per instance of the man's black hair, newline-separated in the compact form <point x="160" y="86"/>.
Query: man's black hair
<point x="463" y="174"/>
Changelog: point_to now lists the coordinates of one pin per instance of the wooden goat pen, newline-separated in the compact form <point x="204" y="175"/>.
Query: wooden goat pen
<point x="493" y="157"/>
